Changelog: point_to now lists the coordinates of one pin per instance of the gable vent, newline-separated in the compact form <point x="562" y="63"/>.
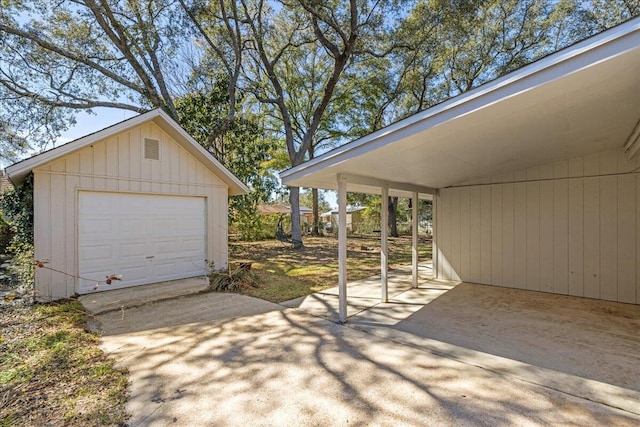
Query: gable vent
<point x="151" y="149"/>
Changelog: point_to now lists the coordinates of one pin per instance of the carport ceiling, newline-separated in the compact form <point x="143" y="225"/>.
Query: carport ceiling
<point x="584" y="99"/>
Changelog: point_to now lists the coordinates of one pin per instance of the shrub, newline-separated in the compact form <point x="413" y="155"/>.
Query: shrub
<point x="262" y="227"/>
<point x="21" y="269"/>
<point x="17" y="210"/>
<point x="6" y="235"/>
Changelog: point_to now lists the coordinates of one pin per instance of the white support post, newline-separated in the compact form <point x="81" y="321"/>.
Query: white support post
<point x="342" y="249"/>
<point x="435" y="259"/>
<point x="414" y="240"/>
<point x="384" y="237"/>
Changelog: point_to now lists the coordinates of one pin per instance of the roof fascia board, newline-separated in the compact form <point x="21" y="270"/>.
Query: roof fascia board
<point x="379" y="183"/>
<point x="18" y="171"/>
<point x="607" y="44"/>
<point x="23" y="167"/>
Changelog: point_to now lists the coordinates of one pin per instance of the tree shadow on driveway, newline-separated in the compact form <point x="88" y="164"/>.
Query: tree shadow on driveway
<point x="222" y="366"/>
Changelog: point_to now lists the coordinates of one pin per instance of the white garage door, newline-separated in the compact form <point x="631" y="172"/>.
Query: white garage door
<point x="145" y="238"/>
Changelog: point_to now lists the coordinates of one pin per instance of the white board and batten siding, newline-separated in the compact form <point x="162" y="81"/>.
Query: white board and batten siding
<point x="116" y="167"/>
<point x="571" y="228"/>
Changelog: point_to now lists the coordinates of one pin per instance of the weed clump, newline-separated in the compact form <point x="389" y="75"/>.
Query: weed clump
<point x="232" y="279"/>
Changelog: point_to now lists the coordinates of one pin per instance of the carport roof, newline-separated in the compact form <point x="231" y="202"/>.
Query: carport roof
<point x="583" y="99"/>
<point x="19" y="171"/>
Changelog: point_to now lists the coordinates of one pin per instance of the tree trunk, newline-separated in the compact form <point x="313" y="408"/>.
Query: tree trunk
<point x="316" y="214"/>
<point x="294" y="201"/>
<point x="393" y="222"/>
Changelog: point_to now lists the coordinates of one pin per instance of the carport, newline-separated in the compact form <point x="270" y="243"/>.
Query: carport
<point x="534" y="176"/>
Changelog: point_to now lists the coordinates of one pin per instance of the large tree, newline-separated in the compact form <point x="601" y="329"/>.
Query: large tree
<point x="239" y="144"/>
<point x="321" y="72"/>
<point x="57" y="58"/>
<point x="298" y="54"/>
<point x="444" y="48"/>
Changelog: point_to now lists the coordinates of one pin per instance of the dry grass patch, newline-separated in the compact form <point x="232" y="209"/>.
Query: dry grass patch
<point x="285" y="273"/>
<point x="52" y="371"/>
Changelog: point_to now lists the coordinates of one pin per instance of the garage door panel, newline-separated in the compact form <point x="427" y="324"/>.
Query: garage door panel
<point x="101" y="253"/>
<point x="193" y="245"/>
<point x="134" y="274"/>
<point x="144" y="238"/>
<point x="161" y="247"/>
<point x="165" y="227"/>
<point x="166" y="270"/>
<point x="136" y="203"/>
<point x="133" y="250"/>
<point x="128" y="225"/>
<point x="94" y="203"/>
<point x="193" y="268"/>
<point x="192" y="226"/>
<point x="98" y="226"/>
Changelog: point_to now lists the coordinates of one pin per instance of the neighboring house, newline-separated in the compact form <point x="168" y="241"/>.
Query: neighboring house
<point x="273" y="209"/>
<point x="5" y="184"/>
<point x="306" y="214"/>
<point x="140" y="199"/>
<point x="354" y="219"/>
<point x="535" y="176"/>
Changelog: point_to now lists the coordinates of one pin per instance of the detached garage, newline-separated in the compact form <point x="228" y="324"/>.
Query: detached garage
<point x="140" y="199"/>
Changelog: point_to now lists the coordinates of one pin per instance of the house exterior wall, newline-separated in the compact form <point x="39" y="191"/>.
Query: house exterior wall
<point x="571" y="227"/>
<point x="116" y="164"/>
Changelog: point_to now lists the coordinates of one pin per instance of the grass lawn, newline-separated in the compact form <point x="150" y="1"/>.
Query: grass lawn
<point x="285" y="273"/>
<point x="52" y="371"/>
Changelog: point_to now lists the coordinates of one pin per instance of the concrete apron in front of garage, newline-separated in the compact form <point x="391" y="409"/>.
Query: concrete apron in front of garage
<point x="584" y="347"/>
<point x="109" y="300"/>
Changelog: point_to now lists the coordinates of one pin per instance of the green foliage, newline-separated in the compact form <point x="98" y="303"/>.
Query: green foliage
<point x="238" y="143"/>
<point x="261" y="227"/>
<point x="5" y="234"/>
<point x="599" y="15"/>
<point x="21" y="270"/>
<point x="440" y="48"/>
<point x="249" y="226"/>
<point x="17" y="209"/>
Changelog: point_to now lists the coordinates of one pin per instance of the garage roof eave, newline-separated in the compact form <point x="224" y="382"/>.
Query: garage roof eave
<point x="415" y="137"/>
<point x="18" y="172"/>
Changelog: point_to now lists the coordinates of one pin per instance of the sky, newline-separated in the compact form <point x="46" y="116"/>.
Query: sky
<point x="89" y="123"/>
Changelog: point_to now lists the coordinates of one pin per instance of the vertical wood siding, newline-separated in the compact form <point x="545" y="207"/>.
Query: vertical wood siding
<point x="571" y="227"/>
<point x="116" y="164"/>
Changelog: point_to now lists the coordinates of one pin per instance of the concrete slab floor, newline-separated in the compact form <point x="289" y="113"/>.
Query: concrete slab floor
<point x="445" y="354"/>
<point x="285" y="367"/>
<point x="593" y="339"/>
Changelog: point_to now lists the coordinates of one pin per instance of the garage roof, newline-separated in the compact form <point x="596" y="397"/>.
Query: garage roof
<point x="580" y="100"/>
<point x="19" y="171"/>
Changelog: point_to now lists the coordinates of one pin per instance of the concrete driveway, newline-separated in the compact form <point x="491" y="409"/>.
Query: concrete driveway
<point x="228" y="360"/>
